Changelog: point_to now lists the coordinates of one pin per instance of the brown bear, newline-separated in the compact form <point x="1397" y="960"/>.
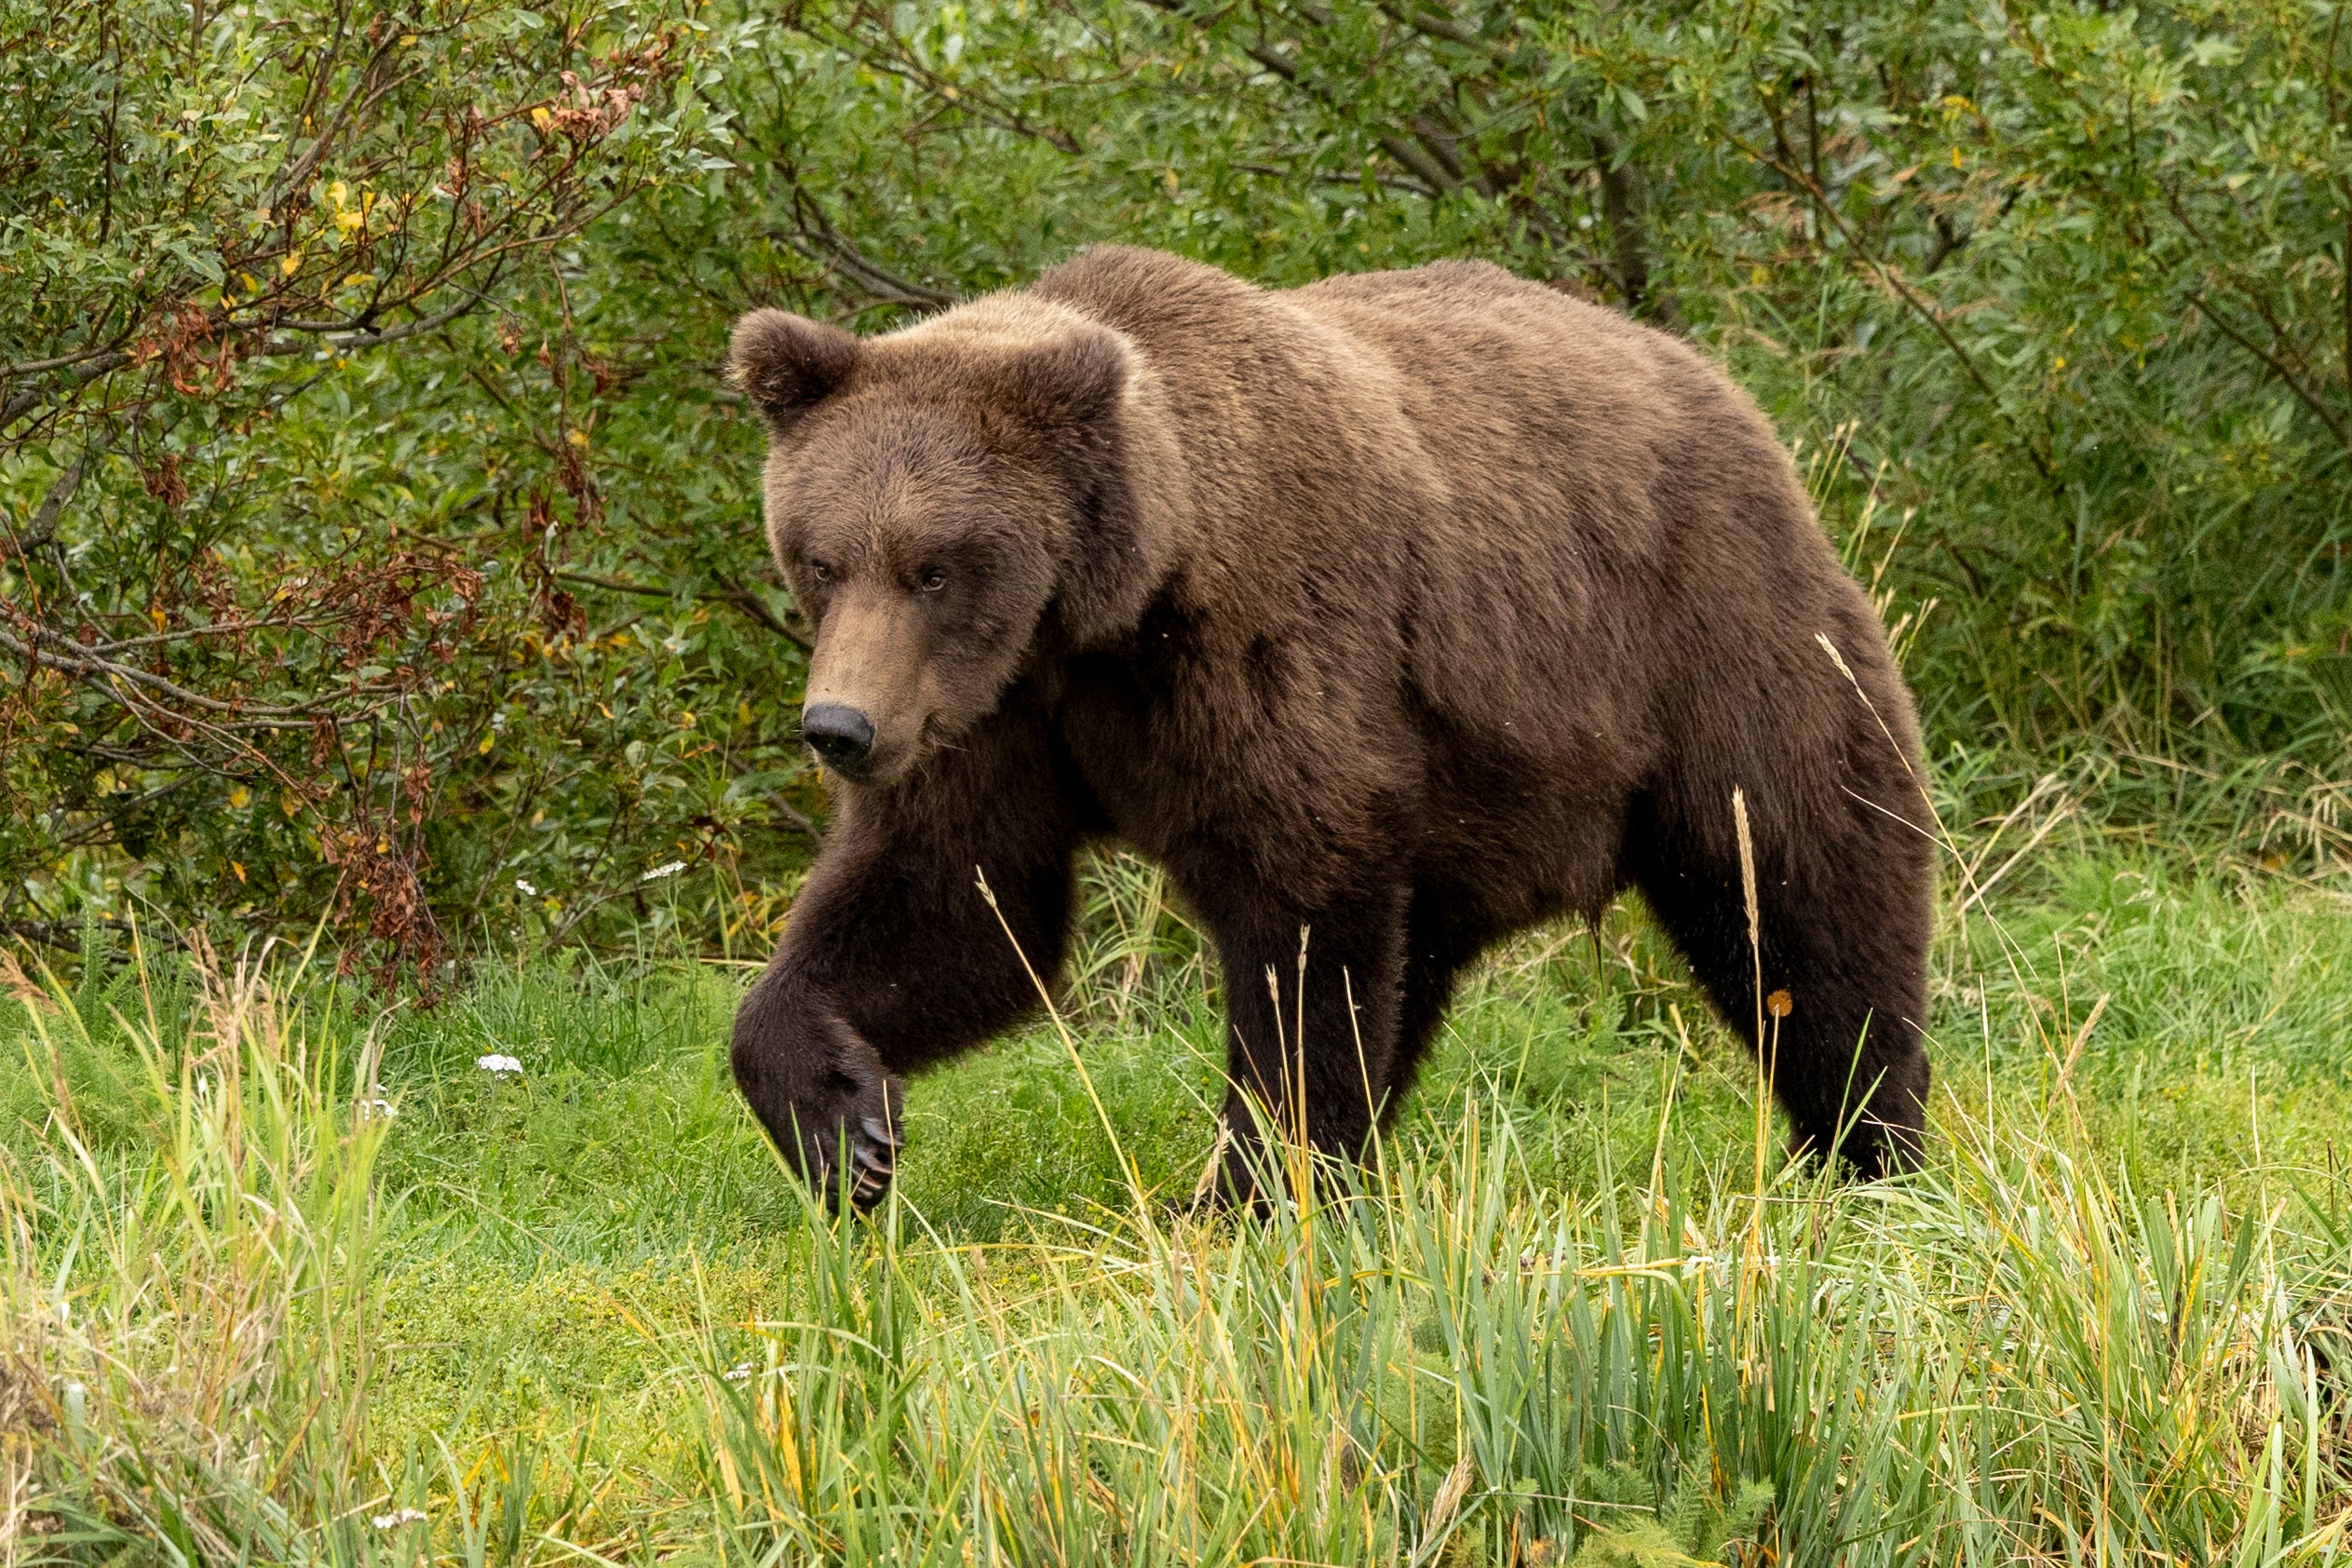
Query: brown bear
<point x="1405" y="610"/>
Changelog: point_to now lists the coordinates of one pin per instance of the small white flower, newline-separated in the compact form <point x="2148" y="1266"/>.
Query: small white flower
<point x="522" y="887"/>
<point x="375" y="1109"/>
<point x="737" y="1373"/>
<point x="397" y="1518"/>
<point x="496" y="1063"/>
<point x="659" y="872"/>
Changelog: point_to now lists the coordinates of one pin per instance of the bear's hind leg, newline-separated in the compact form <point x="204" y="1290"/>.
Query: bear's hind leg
<point x="1844" y="924"/>
<point x="1445" y="931"/>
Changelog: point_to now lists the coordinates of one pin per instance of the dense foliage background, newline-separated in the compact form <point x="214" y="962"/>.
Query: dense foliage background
<point x="377" y="535"/>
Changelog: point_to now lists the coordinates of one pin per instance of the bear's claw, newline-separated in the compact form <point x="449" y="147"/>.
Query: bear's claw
<point x="873" y="1164"/>
<point x="853" y="1142"/>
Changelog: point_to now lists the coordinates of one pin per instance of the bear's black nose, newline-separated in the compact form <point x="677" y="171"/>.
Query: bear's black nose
<point x="840" y="734"/>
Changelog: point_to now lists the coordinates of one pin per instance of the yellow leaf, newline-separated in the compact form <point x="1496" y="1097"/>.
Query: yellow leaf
<point x="238" y="869"/>
<point x="542" y="119"/>
<point x="487" y="742"/>
<point x="289" y="263"/>
<point x="239" y="796"/>
<point x="577" y="438"/>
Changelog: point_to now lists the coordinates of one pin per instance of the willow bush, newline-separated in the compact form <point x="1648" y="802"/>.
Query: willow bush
<point x="379" y="535"/>
<point x="303" y="394"/>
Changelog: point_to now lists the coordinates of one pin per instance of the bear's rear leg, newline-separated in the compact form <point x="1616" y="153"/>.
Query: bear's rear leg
<point x="1844" y="906"/>
<point x="1313" y="1060"/>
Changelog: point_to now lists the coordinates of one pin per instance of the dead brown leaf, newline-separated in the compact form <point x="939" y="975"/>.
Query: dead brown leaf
<point x="19" y="986"/>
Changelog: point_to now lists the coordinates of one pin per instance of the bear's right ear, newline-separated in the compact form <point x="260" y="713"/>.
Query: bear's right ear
<point x="789" y="364"/>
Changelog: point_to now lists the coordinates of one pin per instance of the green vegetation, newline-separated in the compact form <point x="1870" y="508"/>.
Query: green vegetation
<point x="369" y="491"/>
<point x="379" y="578"/>
<point x="290" y="1280"/>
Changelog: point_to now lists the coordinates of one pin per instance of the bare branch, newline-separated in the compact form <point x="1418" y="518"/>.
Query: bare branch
<point x="352" y="338"/>
<point x="65" y="935"/>
<point x="737" y="596"/>
<point x="1436" y="25"/>
<point x="44" y="524"/>
<point x="1434" y="177"/>
<point x="1795" y="173"/>
<point x="36" y="367"/>
<point x="2294" y="383"/>
<point x="32" y="397"/>
<point x="71" y="659"/>
<point x="817" y="238"/>
<point x="359" y="98"/>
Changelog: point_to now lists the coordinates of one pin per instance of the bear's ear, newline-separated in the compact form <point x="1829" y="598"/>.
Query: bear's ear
<point x="789" y="364"/>
<point x="1072" y="383"/>
<point x="1090" y="395"/>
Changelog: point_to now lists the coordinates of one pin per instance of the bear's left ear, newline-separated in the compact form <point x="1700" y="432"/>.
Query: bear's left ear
<point x="1068" y="384"/>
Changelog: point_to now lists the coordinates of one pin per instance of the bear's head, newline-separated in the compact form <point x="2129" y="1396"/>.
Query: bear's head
<point x="950" y="504"/>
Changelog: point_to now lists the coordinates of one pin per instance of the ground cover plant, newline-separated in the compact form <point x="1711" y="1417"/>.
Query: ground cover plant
<point x="292" y="1278"/>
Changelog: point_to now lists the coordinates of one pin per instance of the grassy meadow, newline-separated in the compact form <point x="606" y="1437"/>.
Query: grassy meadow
<point x="291" y="1278"/>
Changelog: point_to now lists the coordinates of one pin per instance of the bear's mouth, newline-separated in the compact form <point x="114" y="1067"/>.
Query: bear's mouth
<point x="858" y="772"/>
<point x="888" y="763"/>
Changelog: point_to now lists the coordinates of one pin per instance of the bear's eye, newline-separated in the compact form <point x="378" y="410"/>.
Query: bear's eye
<point x="934" y="580"/>
<point x="820" y="571"/>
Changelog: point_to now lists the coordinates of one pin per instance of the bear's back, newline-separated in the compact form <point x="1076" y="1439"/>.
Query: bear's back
<point x="1552" y="520"/>
<point x="1517" y="414"/>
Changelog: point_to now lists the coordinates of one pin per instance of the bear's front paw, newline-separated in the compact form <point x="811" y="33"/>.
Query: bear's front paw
<point x="850" y="1138"/>
<point x="822" y="1092"/>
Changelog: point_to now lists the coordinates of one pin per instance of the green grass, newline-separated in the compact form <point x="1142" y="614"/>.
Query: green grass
<point x="581" y="1317"/>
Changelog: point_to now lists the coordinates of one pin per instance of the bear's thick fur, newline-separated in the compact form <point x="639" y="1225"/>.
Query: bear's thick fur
<point x="1408" y="608"/>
